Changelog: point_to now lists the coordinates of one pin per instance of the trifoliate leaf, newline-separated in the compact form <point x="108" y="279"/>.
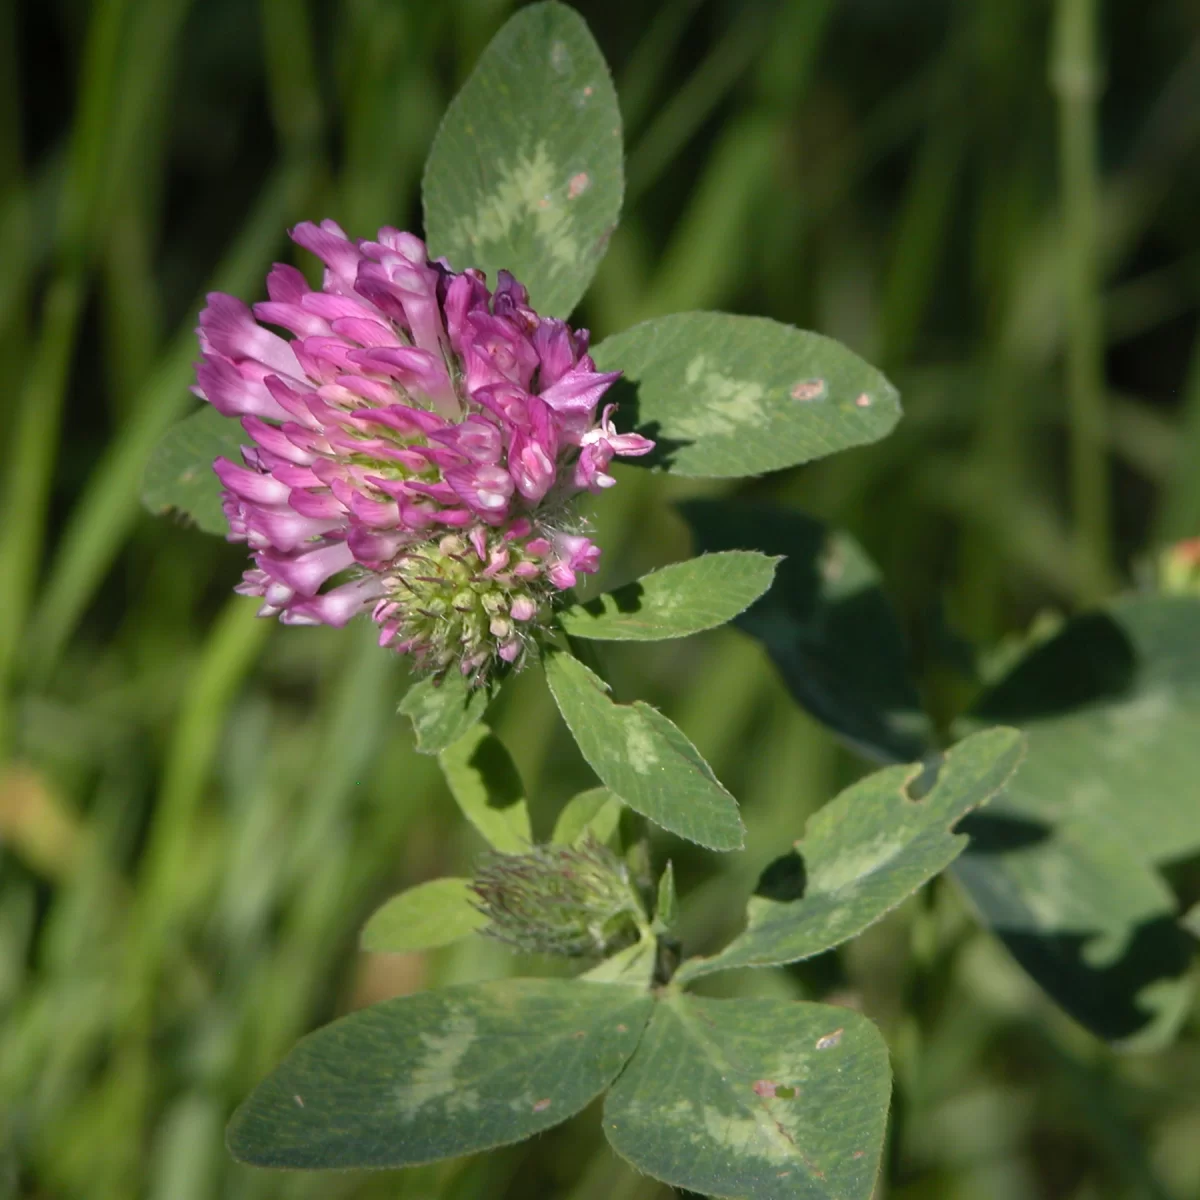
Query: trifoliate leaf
<point x="826" y="624"/>
<point x="675" y="601"/>
<point x="526" y="172"/>
<point x="179" y="475"/>
<point x="727" y="396"/>
<point x="1064" y="868"/>
<point x="754" y="1098"/>
<point x="865" y="852"/>
<point x="643" y="758"/>
<point x="436" y="913"/>
<point x="440" y="1074"/>
<point x="485" y="782"/>
<point x="443" y="710"/>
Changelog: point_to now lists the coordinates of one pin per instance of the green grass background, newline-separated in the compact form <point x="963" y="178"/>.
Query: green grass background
<point x="198" y="809"/>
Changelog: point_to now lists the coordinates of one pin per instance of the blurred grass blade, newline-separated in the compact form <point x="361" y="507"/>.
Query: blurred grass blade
<point x="232" y="647"/>
<point x="1179" y="515"/>
<point x="289" y="59"/>
<point x="1076" y="78"/>
<point x="29" y="471"/>
<point x="36" y="442"/>
<point x="101" y="519"/>
<point x="643" y="71"/>
<point x="718" y="217"/>
<point x="686" y="111"/>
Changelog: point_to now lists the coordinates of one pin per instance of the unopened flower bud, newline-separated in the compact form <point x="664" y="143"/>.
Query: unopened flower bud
<point x="1179" y="567"/>
<point x="570" y="900"/>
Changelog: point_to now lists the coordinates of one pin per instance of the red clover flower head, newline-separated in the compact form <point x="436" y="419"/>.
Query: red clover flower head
<point x="415" y="448"/>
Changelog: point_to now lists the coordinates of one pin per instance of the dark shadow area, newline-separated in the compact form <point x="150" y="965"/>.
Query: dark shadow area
<point x="624" y="394"/>
<point x="1183" y="878"/>
<point x="830" y="631"/>
<point x="920" y="786"/>
<point x="783" y="880"/>
<point x="826" y="624"/>
<point x="1000" y="832"/>
<point x="1090" y="661"/>
<point x="1103" y="998"/>
<point x="491" y="760"/>
<point x="626" y="599"/>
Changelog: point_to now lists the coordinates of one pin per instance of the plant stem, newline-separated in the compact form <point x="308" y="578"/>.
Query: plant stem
<point x="1075" y="78"/>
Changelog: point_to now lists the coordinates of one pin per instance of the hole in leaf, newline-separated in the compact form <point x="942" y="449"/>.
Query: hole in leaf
<point x="917" y="788"/>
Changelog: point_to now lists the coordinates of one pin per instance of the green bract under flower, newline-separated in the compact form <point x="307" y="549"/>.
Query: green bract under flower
<point x="450" y="607"/>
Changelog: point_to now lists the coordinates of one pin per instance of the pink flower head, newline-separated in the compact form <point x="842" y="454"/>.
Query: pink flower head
<point x="415" y="447"/>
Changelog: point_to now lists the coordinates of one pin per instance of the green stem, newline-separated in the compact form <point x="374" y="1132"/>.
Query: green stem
<point x="1075" y="77"/>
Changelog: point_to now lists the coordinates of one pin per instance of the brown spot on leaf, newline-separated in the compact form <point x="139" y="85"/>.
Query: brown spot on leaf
<point x="578" y="185"/>
<point x="858" y="1154"/>
<point x="809" y="389"/>
<point x="541" y="1105"/>
<point x="863" y="400"/>
<point x="830" y="1040"/>
<point x="769" y="1088"/>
